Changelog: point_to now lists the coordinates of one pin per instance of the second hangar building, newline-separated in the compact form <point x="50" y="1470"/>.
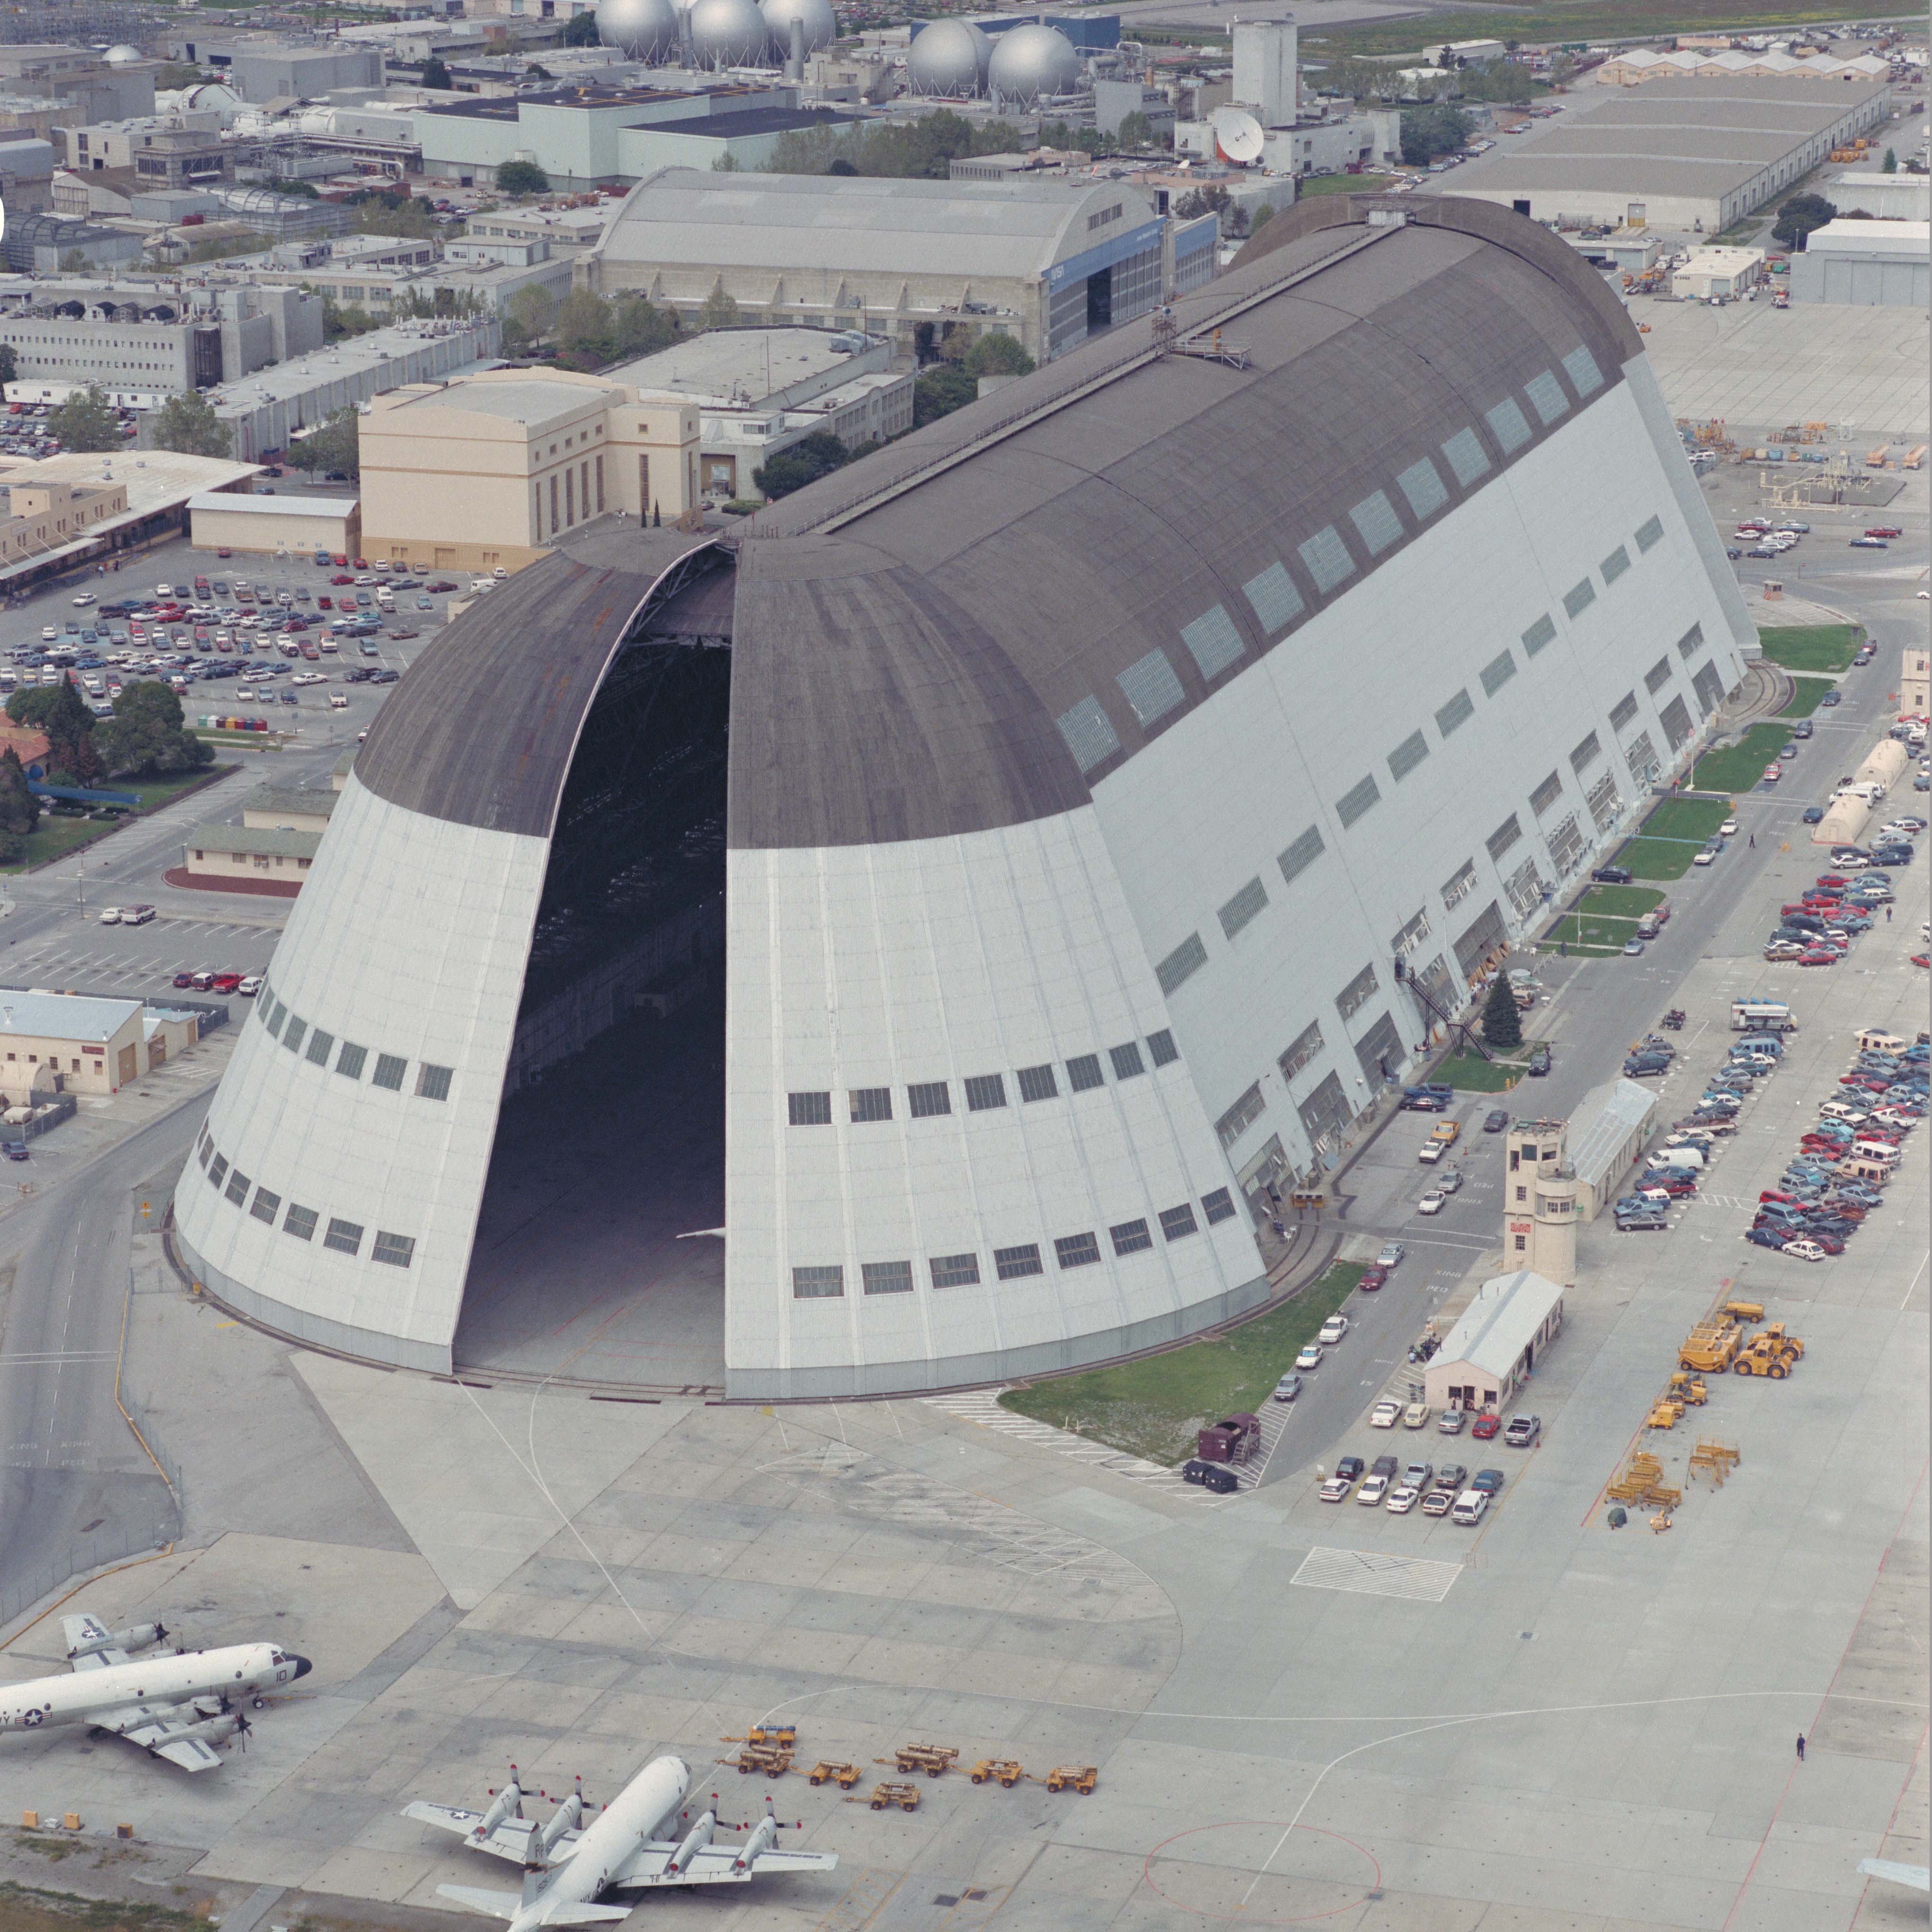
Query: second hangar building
<point x="1064" y="784"/>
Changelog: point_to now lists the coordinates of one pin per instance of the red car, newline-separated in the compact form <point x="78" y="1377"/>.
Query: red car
<point x="1885" y="530"/>
<point x="1832" y="879"/>
<point x="1373" y="1278"/>
<point x="1487" y="1425"/>
<point x="1832" y="1244"/>
<point x="184" y="979"/>
<point x="341" y="576"/>
<point x="1846" y="1210"/>
<point x="226" y="982"/>
<point x="1772" y="773"/>
<point x="1922" y="959"/>
<point x="1819" y="955"/>
<point x="325" y="604"/>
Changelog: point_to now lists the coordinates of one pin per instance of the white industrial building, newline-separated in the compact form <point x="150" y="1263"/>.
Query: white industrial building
<point x="1070" y="777"/>
<point x="1492" y="1351"/>
<point x="1866" y="264"/>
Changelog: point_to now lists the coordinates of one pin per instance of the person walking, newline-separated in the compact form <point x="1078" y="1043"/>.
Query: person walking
<point x="1888" y="915"/>
<point x="1801" y="1746"/>
<point x="1753" y="841"/>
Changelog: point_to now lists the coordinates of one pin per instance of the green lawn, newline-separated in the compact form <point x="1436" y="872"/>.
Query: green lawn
<point x="1805" y="696"/>
<point x="1154" y="1408"/>
<point x="1620" y="902"/>
<point x="1692" y="818"/>
<point x="1468" y="1073"/>
<point x="1657" y="858"/>
<point x="1740" y="766"/>
<point x="1589" y="934"/>
<point x="1581" y="21"/>
<point x="55" y="838"/>
<point x="1813" y="647"/>
<point x="1341" y="184"/>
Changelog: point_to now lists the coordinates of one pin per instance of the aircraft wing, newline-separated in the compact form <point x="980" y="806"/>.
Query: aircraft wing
<point x="86" y="1630"/>
<point x="510" y="1840"/>
<point x="715" y="1864"/>
<point x="158" y="1731"/>
<point x="1918" y="1878"/>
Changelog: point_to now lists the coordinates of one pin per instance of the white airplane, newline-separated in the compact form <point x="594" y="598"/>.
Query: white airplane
<point x="175" y="1704"/>
<point x="568" y="1864"/>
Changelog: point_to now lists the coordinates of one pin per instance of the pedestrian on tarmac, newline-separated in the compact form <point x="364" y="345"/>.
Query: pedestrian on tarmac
<point x="1801" y="1746"/>
<point x="1753" y="841"/>
<point x="1888" y="915"/>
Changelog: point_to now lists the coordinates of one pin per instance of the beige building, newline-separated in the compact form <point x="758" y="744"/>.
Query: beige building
<point x="486" y="470"/>
<point x="1540" y="1201"/>
<point x="275" y="526"/>
<point x="247" y="858"/>
<point x="94" y="1045"/>
<point x="289" y="808"/>
<point x="1496" y="1342"/>
<point x="42" y="517"/>
<point x="1915" y="684"/>
<point x="1725" y="272"/>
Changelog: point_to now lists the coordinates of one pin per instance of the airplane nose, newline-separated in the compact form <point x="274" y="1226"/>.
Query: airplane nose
<point x="302" y="1665"/>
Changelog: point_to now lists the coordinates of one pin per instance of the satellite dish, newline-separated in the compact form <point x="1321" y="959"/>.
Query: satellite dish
<point x="1238" y="135"/>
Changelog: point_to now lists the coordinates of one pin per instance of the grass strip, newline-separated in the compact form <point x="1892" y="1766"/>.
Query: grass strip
<point x="1812" y="647"/>
<point x="1739" y="766"/>
<point x="1693" y="818"/>
<point x="1807" y="693"/>
<point x="1468" y="1073"/>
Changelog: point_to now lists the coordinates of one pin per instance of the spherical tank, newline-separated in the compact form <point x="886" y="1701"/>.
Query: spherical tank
<point x="119" y="56"/>
<point x="726" y="33"/>
<point x="644" y="29"/>
<point x="821" y="29"/>
<point x="948" y="58"/>
<point x="1032" y="60"/>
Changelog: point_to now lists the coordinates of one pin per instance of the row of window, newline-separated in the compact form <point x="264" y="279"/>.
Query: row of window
<point x="340" y="1236"/>
<point x="985" y="1092"/>
<point x="1016" y="1263"/>
<point x="316" y="1046"/>
<point x="1151" y="687"/>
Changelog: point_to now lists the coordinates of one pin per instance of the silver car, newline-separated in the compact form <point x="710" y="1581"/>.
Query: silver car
<point x="1288" y="1388"/>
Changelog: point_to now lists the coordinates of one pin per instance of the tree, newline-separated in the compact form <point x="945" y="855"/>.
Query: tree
<point x="188" y="424"/>
<point x="997" y="355"/>
<point x="86" y="421"/>
<point x="1135" y="131"/>
<point x="522" y="178"/>
<point x="8" y="372"/>
<point x="1429" y="133"/>
<point x="585" y="330"/>
<point x="1212" y="199"/>
<point x="534" y="72"/>
<point x="69" y="726"/>
<point x="720" y="309"/>
<point x="941" y="391"/>
<point x="1262" y="216"/>
<point x="1502" y="1024"/>
<point x="530" y="311"/>
<point x="434" y="73"/>
<point x="816" y="455"/>
<point x="145" y="737"/>
<point x="1798" y="216"/>
<point x="32" y="707"/>
<point x="19" y="809"/>
<point x="580" y="29"/>
<point x="335" y="444"/>
<point x="1889" y="166"/>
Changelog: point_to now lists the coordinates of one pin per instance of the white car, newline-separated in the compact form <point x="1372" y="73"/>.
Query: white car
<point x="1805" y="1251"/>
<point x="85" y="598"/>
<point x="1310" y="1357"/>
<point x="1431" y="1203"/>
<point x="1333" y="1329"/>
<point x="1335" y="1490"/>
<point x="1390" y="1255"/>
<point x="110" y="915"/>
<point x="309" y="677"/>
<point x="1729" y="829"/>
<point x="246" y="695"/>
<point x="1702" y="858"/>
<point x="1372" y="1492"/>
<point x="1449" y="1182"/>
<point x="49" y="634"/>
<point x="1416" y="1415"/>
<point x="250" y="986"/>
<point x="1402" y="1501"/>
<point x="1385" y="1415"/>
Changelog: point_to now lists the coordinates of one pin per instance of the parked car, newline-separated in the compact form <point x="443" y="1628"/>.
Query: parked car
<point x="1453" y="1421"/>
<point x="1333" y="1329"/>
<point x="1385" y="1415"/>
<point x="1486" y="1424"/>
<point x="1372" y="1492"/>
<point x="1489" y="1481"/>
<point x="1495" y="1120"/>
<point x="1611" y="875"/>
<point x="1416" y="1415"/>
<point x="1310" y="1357"/>
<point x="1336" y="1489"/>
<point x="1391" y="1255"/>
<point x="1402" y="1501"/>
<point x="1373" y="1278"/>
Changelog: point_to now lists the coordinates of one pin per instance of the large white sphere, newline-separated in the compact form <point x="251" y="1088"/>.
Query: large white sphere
<point x="821" y="28"/>
<point x="643" y="29"/>
<point x="726" y="33"/>
<point x="1032" y="60"/>
<point x="119" y="56"/>
<point x="949" y="59"/>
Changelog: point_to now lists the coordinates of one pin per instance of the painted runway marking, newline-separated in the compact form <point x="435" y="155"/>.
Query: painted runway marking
<point x="1368" y="1572"/>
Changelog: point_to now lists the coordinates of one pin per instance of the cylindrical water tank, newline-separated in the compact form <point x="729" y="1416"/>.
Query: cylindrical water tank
<point x="726" y="33"/>
<point x="644" y="30"/>
<point x="1032" y="60"/>
<point x="821" y="29"/>
<point x="949" y="59"/>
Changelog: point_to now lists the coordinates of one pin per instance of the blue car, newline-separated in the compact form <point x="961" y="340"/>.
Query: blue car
<point x="1766" y="1237"/>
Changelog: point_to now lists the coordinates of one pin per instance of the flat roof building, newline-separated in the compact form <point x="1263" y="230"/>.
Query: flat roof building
<point x="1721" y="272"/>
<point x="1866" y="264"/>
<point x="276" y="525"/>
<point x="94" y="1045"/>
<point x="1691" y="157"/>
<point x="1492" y="1350"/>
<point x="1605" y="1134"/>
<point x="1038" y="807"/>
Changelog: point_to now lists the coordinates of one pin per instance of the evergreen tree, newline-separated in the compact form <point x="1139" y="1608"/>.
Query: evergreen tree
<point x="19" y="809"/>
<point x="86" y="421"/>
<point x="1502" y="1024"/>
<point x="188" y="424"/>
<point x="69" y="725"/>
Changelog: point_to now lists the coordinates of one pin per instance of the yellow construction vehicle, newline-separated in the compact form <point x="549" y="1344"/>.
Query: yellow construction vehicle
<point x="1744" y="1311"/>
<point x="1788" y="1346"/>
<point x="1710" y="1348"/>
<point x="1689" y="1389"/>
<point x="784" y="1735"/>
<point x="905" y="1796"/>
<point x="1666" y="1415"/>
<point x="1005" y="1770"/>
<point x="1080" y="1778"/>
<point x="774" y="1760"/>
<point x="1762" y="1357"/>
<point x="933" y="1760"/>
<point x="827" y="1771"/>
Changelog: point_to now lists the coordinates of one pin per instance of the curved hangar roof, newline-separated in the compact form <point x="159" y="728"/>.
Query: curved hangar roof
<point x="970" y="628"/>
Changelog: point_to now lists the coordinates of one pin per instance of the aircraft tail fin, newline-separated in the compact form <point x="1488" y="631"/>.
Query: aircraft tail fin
<point x="475" y="1898"/>
<point x="565" y="1911"/>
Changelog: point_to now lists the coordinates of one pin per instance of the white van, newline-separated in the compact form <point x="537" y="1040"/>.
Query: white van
<point x="1876" y="1039"/>
<point x="1880" y="1153"/>
<point x="1761" y="1016"/>
<point x="1677" y="1156"/>
<point x="1470" y="1508"/>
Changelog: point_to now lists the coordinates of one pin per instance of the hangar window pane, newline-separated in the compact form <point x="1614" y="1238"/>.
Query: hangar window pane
<point x="1357" y="993"/>
<point x="389" y="1070"/>
<point x="1498" y="672"/>
<point x="1459" y="888"/>
<point x="1307" y="1044"/>
<point x="1623" y="711"/>
<point x="1218" y="1206"/>
<point x="433" y="1082"/>
<point x="1274" y="598"/>
<point x="1408" y="754"/>
<point x="985" y="1091"/>
<point x="349" y="1060"/>
<point x="1614" y="565"/>
<point x="810" y="1110"/>
<point x="1128" y="1064"/>
<point x="1424" y="487"/>
<point x="1376" y="522"/>
<point x="1709" y="688"/>
<point x="1547" y="794"/>
<point x="1675" y="719"/>
<point x="1466" y="456"/>
<point x="218" y="1171"/>
<point x="955" y="1270"/>
<point x="887" y="1277"/>
<point x="1178" y="1223"/>
<point x="1213" y="641"/>
<point x="1242" y="907"/>
<point x="1301" y="855"/>
<point x="1130" y="1238"/>
<point x="292" y="1038"/>
<point x="1505" y="835"/>
<point x="320" y="1046"/>
<point x="344" y="1237"/>
<point x="1161" y="1048"/>
<point x="1037" y="1083"/>
<point x="1327" y="559"/>
<point x="1455" y="713"/>
<point x="1586" y="755"/>
<point x="1084" y="1074"/>
<point x="265" y="1206"/>
<point x="1508" y="425"/>
<point x="1580" y="366"/>
<point x="1379" y="1050"/>
<point x="1546" y="393"/>
<point x="1579" y="597"/>
<point x="1241" y="1116"/>
<point x="275" y="1018"/>
<point x="1358" y="799"/>
<point x="1073" y="1251"/>
<point x="395" y="1250"/>
<point x="265" y="1004"/>
<point x="1658" y="676"/>
<point x="207" y="1148"/>
<point x="871" y="1103"/>
<point x="1543" y="631"/>
<point x="1691" y="643"/>
<point x="1186" y="958"/>
<point x="1151" y="687"/>
<point x="817" y="1284"/>
<point x="237" y="1187"/>
<point x="1011" y="1263"/>
<point x="1650" y="535"/>
<point x="300" y="1222"/>
<point x="1089" y="733"/>
<point x="930" y="1097"/>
